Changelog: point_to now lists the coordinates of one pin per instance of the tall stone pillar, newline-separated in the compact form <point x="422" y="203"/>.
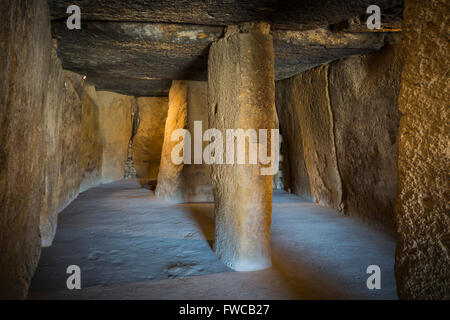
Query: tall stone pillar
<point x="169" y="175"/>
<point x="188" y="181"/>
<point x="241" y="95"/>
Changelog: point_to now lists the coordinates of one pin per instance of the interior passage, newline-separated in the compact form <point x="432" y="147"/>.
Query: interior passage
<point x="130" y="245"/>
<point x="233" y="149"/>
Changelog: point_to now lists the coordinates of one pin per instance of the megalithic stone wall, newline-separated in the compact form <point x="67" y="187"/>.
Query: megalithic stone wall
<point x="340" y="128"/>
<point x="149" y="138"/>
<point x="423" y="208"/>
<point x="25" y="53"/>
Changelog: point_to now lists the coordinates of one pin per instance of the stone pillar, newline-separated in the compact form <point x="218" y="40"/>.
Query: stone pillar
<point x="169" y="175"/>
<point x="241" y="95"/>
<point x="185" y="182"/>
<point x="196" y="181"/>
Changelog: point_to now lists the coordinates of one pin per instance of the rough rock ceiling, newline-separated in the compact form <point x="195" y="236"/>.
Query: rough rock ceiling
<point x="137" y="47"/>
<point x="282" y="14"/>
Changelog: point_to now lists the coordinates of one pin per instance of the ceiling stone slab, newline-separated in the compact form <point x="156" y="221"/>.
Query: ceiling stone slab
<point x="298" y="51"/>
<point x="139" y="50"/>
<point x="282" y="14"/>
<point x="143" y="58"/>
<point x="130" y="86"/>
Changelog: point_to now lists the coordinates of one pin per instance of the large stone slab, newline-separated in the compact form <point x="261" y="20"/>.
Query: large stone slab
<point x="169" y="180"/>
<point x="300" y="15"/>
<point x="298" y="51"/>
<point x="185" y="182"/>
<point x="148" y="140"/>
<point x="63" y="122"/>
<point x="295" y="175"/>
<point x="25" y="51"/>
<point x="196" y="180"/>
<point x="116" y="123"/>
<point x="141" y="59"/>
<point x="309" y="109"/>
<point x="241" y="96"/>
<point x="340" y="128"/>
<point x="423" y="222"/>
<point x="91" y="144"/>
<point x="73" y="146"/>
<point x="363" y="91"/>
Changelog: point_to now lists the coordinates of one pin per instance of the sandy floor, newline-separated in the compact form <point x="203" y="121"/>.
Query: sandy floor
<point x="130" y="245"/>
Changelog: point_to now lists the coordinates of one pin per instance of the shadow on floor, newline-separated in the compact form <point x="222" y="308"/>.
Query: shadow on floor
<point x="131" y="245"/>
<point x="203" y="214"/>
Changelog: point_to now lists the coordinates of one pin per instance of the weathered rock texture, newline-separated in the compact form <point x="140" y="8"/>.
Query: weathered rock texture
<point x="50" y="146"/>
<point x="149" y="137"/>
<point x="295" y="174"/>
<point x="25" y="50"/>
<point x="196" y="178"/>
<point x="282" y="14"/>
<point x="317" y="125"/>
<point x="423" y="252"/>
<point x="73" y="150"/>
<point x="363" y="93"/>
<point x="67" y="142"/>
<point x="62" y="114"/>
<point x="185" y="182"/>
<point x="141" y="59"/>
<point x="169" y="180"/>
<point x="309" y="111"/>
<point x="51" y="143"/>
<point x="116" y="123"/>
<point x="73" y="144"/>
<point x="130" y="170"/>
<point x="91" y="144"/>
<point x="241" y="95"/>
<point x="339" y="125"/>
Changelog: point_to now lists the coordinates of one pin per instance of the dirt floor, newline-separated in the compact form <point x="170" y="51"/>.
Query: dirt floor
<point x="130" y="245"/>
